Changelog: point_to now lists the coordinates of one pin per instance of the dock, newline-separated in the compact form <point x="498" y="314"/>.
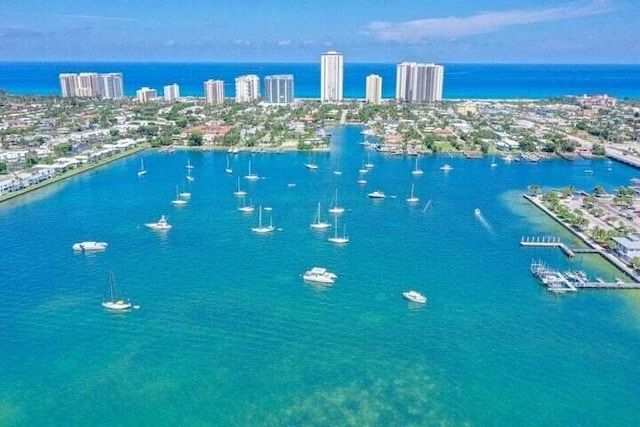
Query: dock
<point x="554" y="242"/>
<point x="570" y="281"/>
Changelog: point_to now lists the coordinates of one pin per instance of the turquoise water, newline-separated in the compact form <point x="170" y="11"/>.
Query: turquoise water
<point x="228" y="334"/>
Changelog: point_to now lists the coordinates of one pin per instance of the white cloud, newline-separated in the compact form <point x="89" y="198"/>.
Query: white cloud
<point x="284" y="42"/>
<point x="482" y="22"/>
<point x="240" y="42"/>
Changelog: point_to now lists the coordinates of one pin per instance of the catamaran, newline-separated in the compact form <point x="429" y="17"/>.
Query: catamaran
<point x="336" y="208"/>
<point x="319" y="224"/>
<point x="261" y="229"/>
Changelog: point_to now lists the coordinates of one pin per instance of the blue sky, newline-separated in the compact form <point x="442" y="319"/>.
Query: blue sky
<point x="463" y="31"/>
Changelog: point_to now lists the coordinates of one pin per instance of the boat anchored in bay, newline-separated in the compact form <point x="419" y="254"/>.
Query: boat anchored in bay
<point x="319" y="275"/>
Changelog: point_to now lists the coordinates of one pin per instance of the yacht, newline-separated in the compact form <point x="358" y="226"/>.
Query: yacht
<point x="89" y="246"/>
<point x="446" y="167"/>
<point x="161" y="225"/>
<point x="376" y="195"/>
<point x="112" y="300"/>
<point x="415" y="296"/>
<point x="319" y="224"/>
<point x="319" y="275"/>
<point x="262" y="229"/>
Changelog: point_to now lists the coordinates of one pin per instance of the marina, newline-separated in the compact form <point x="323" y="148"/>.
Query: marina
<point x="570" y="281"/>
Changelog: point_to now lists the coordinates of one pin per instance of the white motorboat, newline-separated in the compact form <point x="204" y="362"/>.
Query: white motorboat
<point x="319" y="275"/>
<point x="262" y="229"/>
<point x="319" y="224"/>
<point x="416" y="170"/>
<point x="90" y="246"/>
<point x="376" y="195"/>
<point x="251" y="176"/>
<point x="112" y="299"/>
<point x="415" y="296"/>
<point x="412" y="198"/>
<point x="336" y="208"/>
<point x="161" y="225"/>
<point x="178" y="201"/>
<point x="477" y="212"/>
<point x="446" y="167"/>
<point x="239" y="192"/>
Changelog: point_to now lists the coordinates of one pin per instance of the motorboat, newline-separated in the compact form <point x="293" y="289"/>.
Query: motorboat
<point x="376" y="195"/>
<point x="446" y="167"/>
<point x="319" y="275"/>
<point x="89" y="246"/>
<point x="112" y="299"/>
<point x="415" y="296"/>
<point x="477" y="212"/>
<point x="161" y="225"/>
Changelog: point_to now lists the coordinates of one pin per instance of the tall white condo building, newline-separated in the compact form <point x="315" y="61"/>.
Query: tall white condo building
<point x="171" y="92"/>
<point x="92" y="85"/>
<point x="331" y="77"/>
<point x="419" y="83"/>
<point x="247" y="88"/>
<point x="214" y="92"/>
<point x="374" y="89"/>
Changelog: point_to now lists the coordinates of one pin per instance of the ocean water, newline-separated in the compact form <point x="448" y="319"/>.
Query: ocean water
<point x="228" y="334"/>
<point x="481" y="81"/>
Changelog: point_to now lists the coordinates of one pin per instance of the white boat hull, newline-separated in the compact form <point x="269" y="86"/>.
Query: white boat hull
<point x="90" y="246"/>
<point x="414" y="296"/>
<point x="117" y="305"/>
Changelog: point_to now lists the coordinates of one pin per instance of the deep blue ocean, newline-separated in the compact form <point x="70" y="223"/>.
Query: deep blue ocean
<point x="478" y="81"/>
<point x="229" y="334"/>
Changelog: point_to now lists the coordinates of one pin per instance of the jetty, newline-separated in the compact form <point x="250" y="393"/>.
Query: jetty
<point x="570" y="281"/>
<point x="554" y="242"/>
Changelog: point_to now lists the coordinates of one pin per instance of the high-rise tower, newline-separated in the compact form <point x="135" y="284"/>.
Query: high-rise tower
<point x="331" y="77"/>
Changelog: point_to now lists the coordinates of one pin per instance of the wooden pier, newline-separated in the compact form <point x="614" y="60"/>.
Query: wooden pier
<point x="554" y="242"/>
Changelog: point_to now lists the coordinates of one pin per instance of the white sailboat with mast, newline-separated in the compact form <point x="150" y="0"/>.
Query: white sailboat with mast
<point x="142" y="171"/>
<point x="262" y="229"/>
<point x="179" y="201"/>
<point x="239" y="192"/>
<point x="339" y="239"/>
<point x="336" y="208"/>
<point x="416" y="170"/>
<point x="228" y="168"/>
<point x="112" y="299"/>
<point x="251" y="176"/>
<point x="318" y="224"/>
<point x="412" y="198"/>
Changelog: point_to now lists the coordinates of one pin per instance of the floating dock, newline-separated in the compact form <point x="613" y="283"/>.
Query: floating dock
<point x="570" y="281"/>
<point x="554" y="242"/>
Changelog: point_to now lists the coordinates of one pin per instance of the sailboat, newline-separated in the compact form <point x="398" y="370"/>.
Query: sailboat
<point x="239" y="192"/>
<point x="178" y="200"/>
<point x="185" y="194"/>
<point x="336" y="209"/>
<point x="362" y="181"/>
<point x="311" y="165"/>
<point x="189" y="165"/>
<point x="412" y="198"/>
<point x="251" y="176"/>
<point x="246" y="208"/>
<point x="228" y="169"/>
<point x="335" y="238"/>
<point x="368" y="165"/>
<point x="337" y="171"/>
<point x="317" y="223"/>
<point x="363" y="169"/>
<point x="142" y="171"/>
<point x="189" y="177"/>
<point x="112" y="299"/>
<point x="417" y="171"/>
<point x="493" y="162"/>
<point x="261" y="229"/>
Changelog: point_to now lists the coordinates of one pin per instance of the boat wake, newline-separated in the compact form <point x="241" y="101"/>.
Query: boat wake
<point x="483" y="221"/>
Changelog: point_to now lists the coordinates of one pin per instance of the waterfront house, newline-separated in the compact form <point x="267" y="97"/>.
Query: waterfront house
<point x="627" y="247"/>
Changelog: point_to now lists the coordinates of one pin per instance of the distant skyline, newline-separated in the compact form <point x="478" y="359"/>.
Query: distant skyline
<point x="500" y="31"/>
